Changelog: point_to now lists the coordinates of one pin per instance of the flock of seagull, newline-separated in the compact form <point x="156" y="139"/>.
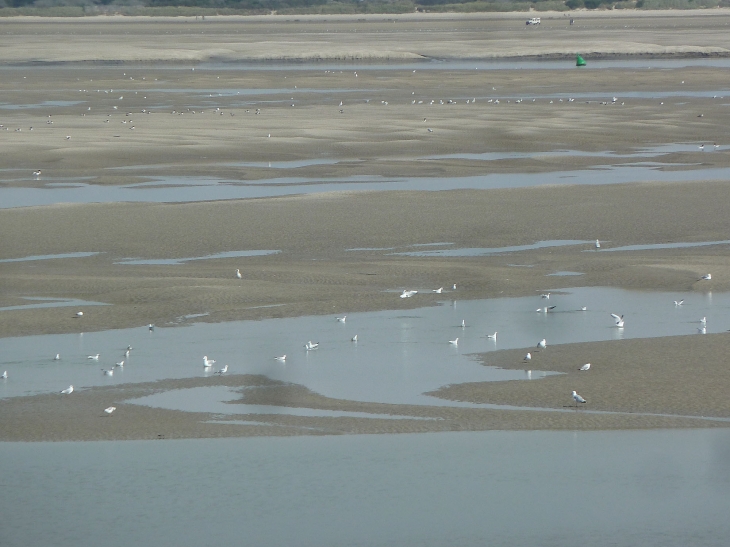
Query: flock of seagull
<point x="407" y="293"/>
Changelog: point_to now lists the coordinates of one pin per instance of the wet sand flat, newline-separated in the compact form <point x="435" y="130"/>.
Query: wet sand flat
<point x="409" y="36"/>
<point x="192" y="123"/>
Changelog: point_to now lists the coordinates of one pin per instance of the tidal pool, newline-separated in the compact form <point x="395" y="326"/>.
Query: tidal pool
<point x="399" y="355"/>
<point x="187" y="189"/>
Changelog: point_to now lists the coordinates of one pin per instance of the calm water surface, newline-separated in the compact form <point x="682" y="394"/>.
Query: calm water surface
<point x="399" y="356"/>
<point x="541" y="489"/>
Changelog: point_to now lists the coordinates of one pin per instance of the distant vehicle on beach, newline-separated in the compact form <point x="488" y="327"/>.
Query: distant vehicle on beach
<point x="533" y="21"/>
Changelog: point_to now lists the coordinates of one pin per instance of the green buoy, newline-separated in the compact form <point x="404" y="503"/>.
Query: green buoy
<point x="579" y="61"/>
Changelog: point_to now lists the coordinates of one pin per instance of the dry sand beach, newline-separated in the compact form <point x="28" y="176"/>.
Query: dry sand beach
<point x="95" y="79"/>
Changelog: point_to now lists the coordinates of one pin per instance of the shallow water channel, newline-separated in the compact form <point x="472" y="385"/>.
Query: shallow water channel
<point x="399" y="355"/>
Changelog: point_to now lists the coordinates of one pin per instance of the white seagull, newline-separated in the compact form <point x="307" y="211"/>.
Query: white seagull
<point x="151" y="326"/>
<point x="703" y="320"/>
<point x="585" y="367"/>
<point x="109" y="372"/>
<point x="120" y="364"/>
<point x="678" y="302"/>
<point x="281" y="358"/>
<point x="619" y="320"/>
<point x="439" y="290"/>
<point x="454" y="287"/>
<point x="79" y="314"/>
<point x="492" y="336"/>
<point x="463" y="323"/>
<point x="222" y="371"/>
<point x="578" y="399"/>
<point x="598" y="244"/>
<point x="702" y="330"/>
<point x="342" y="319"/>
<point x="454" y="342"/>
<point x="584" y="308"/>
<point x="57" y="357"/>
<point x="311" y="345"/>
<point x="126" y="353"/>
<point x="407" y="294"/>
<point x="238" y="273"/>
<point x="94" y="357"/>
<point x="37" y="173"/>
<point x="69" y="389"/>
<point x="546" y="295"/>
<point x="545" y="309"/>
<point x="528" y="356"/>
<point x="542" y="344"/>
<point x="110" y="410"/>
<point x="354" y="338"/>
<point x="706" y="277"/>
<point x="4" y="375"/>
<point x="207" y="362"/>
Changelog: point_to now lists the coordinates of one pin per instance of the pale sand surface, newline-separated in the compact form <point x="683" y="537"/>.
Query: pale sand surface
<point x="412" y="36"/>
<point x="314" y="273"/>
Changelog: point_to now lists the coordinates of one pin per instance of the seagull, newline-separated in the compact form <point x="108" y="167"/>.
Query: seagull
<point x="542" y="344"/>
<point x="342" y="319"/>
<point x="492" y="336"/>
<point x="545" y="309"/>
<point x="4" y="375"/>
<point x="151" y="326"/>
<point x="57" y="357"/>
<point x="37" y="173"/>
<point x="703" y="320"/>
<point x="109" y="372"/>
<point x="126" y="353"/>
<point x="678" y="303"/>
<point x="120" y="364"/>
<point x="129" y="348"/>
<point x="454" y="342"/>
<point x="354" y="338"/>
<point x="702" y="330"/>
<point x="454" y="287"/>
<point x="578" y="399"/>
<point x="238" y="273"/>
<point x="281" y="358"/>
<point x="528" y="356"/>
<point x="69" y="389"/>
<point x="584" y="308"/>
<point x="619" y="320"/>
<point x="546" y="295"/>
<point x="463" y="323"/>
<point x="110" y="410"/>
<point x="222" y="371"/>
<point x="94" y="357"/>
<point x="311" y="345"/>
<point x="407" y="294"/>
<point x="706" y="277"/>
<point x="207" y="362"/>
<point x="439" y="290"/>
<point x="598" y="244"/>
<point x="585" y="367"/>
<point x="79" y="314"/>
